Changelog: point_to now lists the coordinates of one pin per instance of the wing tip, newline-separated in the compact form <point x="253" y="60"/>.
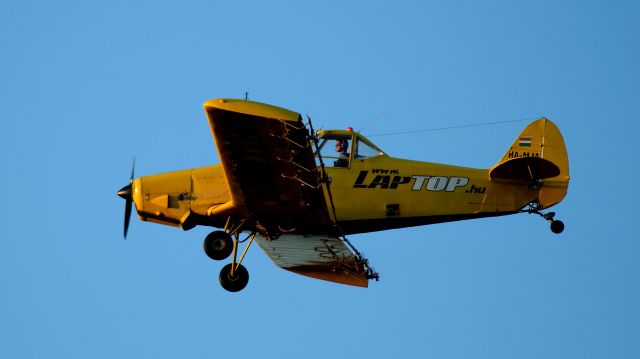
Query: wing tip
<point x="251" y="108"/>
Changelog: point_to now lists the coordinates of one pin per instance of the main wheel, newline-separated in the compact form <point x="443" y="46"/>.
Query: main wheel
<point x="218" y="245"/>
<point x="557" y="226"/>
<point x="234" y="283"/>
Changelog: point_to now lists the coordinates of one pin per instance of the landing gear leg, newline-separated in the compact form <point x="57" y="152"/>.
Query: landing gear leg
<point x="234" y="276"/>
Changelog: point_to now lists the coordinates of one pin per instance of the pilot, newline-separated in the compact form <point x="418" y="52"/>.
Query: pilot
<point x="342" y="147"/>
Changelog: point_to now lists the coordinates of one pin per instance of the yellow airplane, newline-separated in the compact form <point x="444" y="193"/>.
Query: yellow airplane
<point x="298" y="193"/>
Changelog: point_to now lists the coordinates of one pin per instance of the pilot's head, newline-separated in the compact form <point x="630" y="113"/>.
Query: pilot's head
<point x="342" y="146"/>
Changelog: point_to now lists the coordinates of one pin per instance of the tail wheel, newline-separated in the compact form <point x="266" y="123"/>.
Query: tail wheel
<point x="234" y="282"/>
<point x="218" y="245"/>
<point x="557" y="226"/>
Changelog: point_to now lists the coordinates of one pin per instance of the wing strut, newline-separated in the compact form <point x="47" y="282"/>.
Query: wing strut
<point x="370" y="272"/>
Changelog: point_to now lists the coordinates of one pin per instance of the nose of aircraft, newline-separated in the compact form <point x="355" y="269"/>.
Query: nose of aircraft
<point x="125" y="192"/>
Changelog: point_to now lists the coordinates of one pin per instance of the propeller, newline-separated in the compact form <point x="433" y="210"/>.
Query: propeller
<point x="127" y="193"/>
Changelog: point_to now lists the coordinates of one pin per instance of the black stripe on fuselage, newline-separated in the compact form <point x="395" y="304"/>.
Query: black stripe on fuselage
<point x="381" y="224"/>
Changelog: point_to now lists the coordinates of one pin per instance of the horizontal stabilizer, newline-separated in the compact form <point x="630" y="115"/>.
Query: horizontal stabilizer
<point x="525" y="169"/>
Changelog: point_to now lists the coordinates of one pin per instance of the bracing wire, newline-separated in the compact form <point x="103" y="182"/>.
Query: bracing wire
<point x="451" y="127"/>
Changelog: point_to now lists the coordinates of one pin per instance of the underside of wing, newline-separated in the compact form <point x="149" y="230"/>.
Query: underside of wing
<point x="269" y="165"/>
<point x="318" y="257"/>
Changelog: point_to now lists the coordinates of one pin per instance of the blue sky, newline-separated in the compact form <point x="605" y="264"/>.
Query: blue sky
<point x="85" y="86"/>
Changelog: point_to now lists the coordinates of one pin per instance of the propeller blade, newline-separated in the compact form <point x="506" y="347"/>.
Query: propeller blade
<point x="126" y="193"/>
<point x="127" y="216"/>
<point x="133" y="167"/>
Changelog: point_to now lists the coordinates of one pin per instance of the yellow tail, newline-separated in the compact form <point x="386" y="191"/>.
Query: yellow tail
<point x="538" y="157"/>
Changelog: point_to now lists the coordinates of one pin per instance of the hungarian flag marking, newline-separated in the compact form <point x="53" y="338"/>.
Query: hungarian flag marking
<point x="525" y="141"/>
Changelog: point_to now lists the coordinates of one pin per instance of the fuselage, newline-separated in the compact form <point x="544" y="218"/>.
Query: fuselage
<point x="375" y="193"/>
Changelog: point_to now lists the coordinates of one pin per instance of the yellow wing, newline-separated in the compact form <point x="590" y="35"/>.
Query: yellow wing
<point x="318" y="257"/>
<point x="268" y="164"/>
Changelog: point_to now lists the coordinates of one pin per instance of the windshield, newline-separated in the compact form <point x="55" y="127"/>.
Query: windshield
<point x="364" y="150"/>
<point x="337" y="150"/>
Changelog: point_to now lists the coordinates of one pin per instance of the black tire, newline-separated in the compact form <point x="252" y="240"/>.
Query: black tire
<point x="218" y="245"/>
<point x="234" y="283"/>
<point x="557" y="227"/>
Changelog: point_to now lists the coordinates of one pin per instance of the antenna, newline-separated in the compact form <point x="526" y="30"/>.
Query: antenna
<point x="367" y="124"/>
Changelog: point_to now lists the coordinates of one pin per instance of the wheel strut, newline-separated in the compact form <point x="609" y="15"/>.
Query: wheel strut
<point x="236" y="241"/>
<point x="234" y="276"/>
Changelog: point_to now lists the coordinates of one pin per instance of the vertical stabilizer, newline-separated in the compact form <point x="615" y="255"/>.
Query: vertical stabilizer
<point x="537" y="156"/>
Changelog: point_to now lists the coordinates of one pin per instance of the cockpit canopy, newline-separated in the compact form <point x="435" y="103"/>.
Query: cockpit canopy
<point x="338" y="147"/>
